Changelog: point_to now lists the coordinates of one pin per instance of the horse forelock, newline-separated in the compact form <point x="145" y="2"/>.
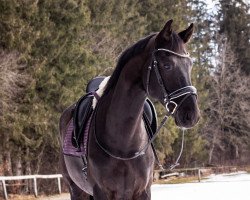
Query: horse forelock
<point x="178" y="44"/>
<point x="174" y="43"/>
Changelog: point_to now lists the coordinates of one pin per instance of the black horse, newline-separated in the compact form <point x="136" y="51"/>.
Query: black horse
<point x="119" y="167"/>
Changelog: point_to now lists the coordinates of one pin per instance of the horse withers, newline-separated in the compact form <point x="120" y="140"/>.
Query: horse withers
<point x="118" y="165"/>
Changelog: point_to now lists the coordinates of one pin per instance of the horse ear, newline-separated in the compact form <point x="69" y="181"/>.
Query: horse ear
<point x="166" y="32"/>
<point x="187" y="33"/>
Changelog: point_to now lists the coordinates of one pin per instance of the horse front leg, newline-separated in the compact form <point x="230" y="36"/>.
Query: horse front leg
<point x="145" y="195"/>
<point x="76" y="193"/>
<point x="98" y="194"/>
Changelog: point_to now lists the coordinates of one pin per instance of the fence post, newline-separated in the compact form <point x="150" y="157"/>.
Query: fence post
<point x="59" y="185"/>
<point x="35" y="187"/>
<point x="4" y="190"/>
<point x="199" y="175"/>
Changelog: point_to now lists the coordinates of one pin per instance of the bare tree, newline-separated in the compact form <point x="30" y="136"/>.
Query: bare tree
<point x="12" y="79"/>
<point x="12" y="82"/>
<point x="228" y="124"/>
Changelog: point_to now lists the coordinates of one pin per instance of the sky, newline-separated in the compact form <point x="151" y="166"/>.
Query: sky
<point x="212" y="4"/>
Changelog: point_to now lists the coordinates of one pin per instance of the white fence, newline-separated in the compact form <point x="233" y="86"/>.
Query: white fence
<point x="3" y="179"/>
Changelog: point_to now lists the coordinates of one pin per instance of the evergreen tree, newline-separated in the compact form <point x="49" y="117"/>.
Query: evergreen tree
<point x="234" y="23"/>
<point x="48" y="36"/>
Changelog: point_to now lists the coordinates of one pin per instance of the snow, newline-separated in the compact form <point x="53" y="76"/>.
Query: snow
<point x="218" y="187"/>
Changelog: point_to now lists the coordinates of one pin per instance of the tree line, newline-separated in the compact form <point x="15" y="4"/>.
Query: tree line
<point x="50" y="49"/>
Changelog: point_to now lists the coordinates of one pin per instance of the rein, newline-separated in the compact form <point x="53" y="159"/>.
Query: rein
<point x="168" y="99"/>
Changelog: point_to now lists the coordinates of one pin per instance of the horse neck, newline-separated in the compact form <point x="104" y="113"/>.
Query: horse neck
<point x="124" y="108"/>
<point x="126" y="105"/>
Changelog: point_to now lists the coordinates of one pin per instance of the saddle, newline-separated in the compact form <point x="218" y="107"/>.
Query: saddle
<point x="83" y="111"/>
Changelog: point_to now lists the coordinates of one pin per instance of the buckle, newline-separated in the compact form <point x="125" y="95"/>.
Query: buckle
<point x="174" y="109"/>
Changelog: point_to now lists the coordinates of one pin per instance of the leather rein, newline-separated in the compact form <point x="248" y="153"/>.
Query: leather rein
<point x="168" y="99"/>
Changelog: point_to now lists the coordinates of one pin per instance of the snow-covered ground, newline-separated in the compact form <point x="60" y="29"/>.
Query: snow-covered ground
<point x="235" y="186"/>
<point x="217" y="187"/>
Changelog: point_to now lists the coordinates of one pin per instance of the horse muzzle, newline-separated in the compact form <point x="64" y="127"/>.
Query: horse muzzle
<point x="188" y="113"/>
<point x="182" y="105"/>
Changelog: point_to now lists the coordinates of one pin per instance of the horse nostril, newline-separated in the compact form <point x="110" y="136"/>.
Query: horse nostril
<point x="188" y="116"/>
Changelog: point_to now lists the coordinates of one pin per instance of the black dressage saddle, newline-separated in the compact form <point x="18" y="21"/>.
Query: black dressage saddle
<point x="83" y="111"/>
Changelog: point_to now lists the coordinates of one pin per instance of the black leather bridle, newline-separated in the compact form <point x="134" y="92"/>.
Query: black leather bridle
<point x="169" y="98"/>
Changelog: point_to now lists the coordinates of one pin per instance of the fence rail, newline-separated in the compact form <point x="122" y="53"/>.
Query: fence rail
<point x="198" y="172"/>
<point x="3" y="179"/>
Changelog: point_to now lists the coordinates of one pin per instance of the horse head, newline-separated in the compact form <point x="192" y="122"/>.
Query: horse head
<point x="169" y="76"/>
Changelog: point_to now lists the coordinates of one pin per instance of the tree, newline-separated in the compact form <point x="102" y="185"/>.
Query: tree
<point x="228" y="125"/>
<point x="201" y="51"/>
<point x="234" y="24"/>
<point x="12" y="80"/>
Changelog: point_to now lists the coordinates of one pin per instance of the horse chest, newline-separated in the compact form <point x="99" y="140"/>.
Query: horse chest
<point x="123" y="179"/>
<point x="113" y="173"/>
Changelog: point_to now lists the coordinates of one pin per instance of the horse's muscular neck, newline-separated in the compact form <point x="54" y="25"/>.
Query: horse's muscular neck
<point x="127" y="102"/>
<point x="124" y="128"/>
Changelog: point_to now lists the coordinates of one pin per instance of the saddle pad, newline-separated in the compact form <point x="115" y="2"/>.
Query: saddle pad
<point x="68" y="148"/>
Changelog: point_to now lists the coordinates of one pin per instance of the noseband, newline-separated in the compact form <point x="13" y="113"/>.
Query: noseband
<point x="168" y="99"/>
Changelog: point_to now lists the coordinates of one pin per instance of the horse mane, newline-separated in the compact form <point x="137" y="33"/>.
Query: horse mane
<point x="130" y="52"/>
<point x="176" y="44"/>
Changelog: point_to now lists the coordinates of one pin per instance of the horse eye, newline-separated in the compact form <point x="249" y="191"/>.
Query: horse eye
<point x="167" y="66"/>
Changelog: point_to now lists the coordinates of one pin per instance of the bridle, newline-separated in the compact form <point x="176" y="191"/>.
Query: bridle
<point x="169" y="98"/>
<point x="184" y="92"/>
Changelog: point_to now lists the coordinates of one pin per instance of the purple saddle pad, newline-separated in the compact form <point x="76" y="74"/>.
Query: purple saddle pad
<point x="68" y="148"/>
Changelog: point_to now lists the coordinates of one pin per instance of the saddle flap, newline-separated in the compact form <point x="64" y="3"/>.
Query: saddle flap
<point x="83" y="110"/>
<point x="82" y="113"/>
<point x="151" y="116"/>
